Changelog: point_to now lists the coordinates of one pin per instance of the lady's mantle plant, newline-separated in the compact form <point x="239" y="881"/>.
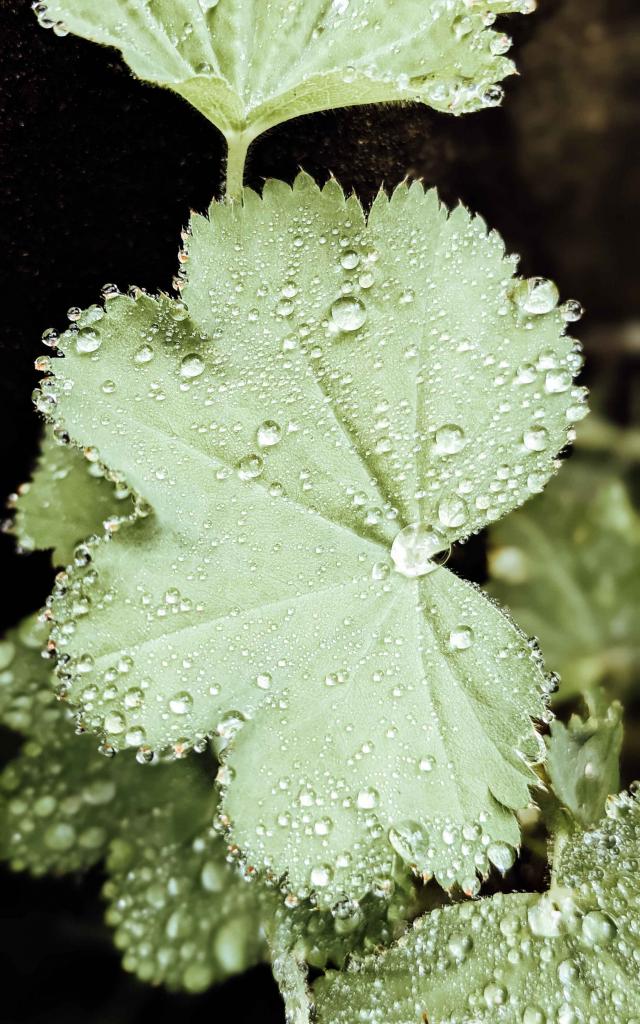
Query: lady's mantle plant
<point x="334" y="400"/>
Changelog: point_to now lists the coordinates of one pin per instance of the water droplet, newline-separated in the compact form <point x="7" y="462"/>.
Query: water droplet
<point x="572" y="310"/>
<point x="88" y="341"/>
<point x="367" y="799"/>
<point x="461" y="638"/>
<point x="501" y="856"/>
<point x="536" y="295"/>
<point x="349" y="260"/>
<point x="143" y="355"/>
<point x="321" y="876"/>
<point x="536" y="439"/>
<point x="414" y="550"/>
<point x="449" y="439"/>
<point x="453" y="512"/>
<point x="348" y="314"/>
<point x="181" y="703"/>
<point x="597" y="928"/>
<point x="263" y="681"/>
<point x="269" y="433"/>
<point x="114" y="723"/>
<point x="250" y="467"/>
<point x="557" y="381"/>
<point x="191" y="366"/>
<point x="427" y="764"/>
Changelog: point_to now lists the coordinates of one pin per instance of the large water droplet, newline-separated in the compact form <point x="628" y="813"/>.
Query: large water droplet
<point x="269" y="433"/>
<point x="449" y="439"/>
<point x="414" y="550"/>
<point x="461" y="638"/>
<point x="536" y="439"/>
<point x="191" y="366"/>
<point x="348" y="314"/>
<point x="535" y="296"/>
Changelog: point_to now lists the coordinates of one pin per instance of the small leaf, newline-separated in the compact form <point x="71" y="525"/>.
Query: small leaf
<point x="565" y="956"/>
<point x="61" y="801"/>
<point x="342" y="399"/>
<point x="248" y="65"/>
<point x="568" y="567"/>
<point x="583" y="759"/>
<point x="67" y="500"/>
<point x="183" y="917"/>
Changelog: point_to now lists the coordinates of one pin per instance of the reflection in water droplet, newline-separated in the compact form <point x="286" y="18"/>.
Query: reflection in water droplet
<point x="535" y="439"/>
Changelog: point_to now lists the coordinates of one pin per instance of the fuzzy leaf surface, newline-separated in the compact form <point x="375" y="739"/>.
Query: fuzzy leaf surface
<point x="61" y="802"/>
<point x="66" y="501"/>
<point x="567" y="955"/>
<point x="335" y="381"/>
<point x="248" y="65"/>
<point x="568" y="567"/>
<point x="183" y="917"/>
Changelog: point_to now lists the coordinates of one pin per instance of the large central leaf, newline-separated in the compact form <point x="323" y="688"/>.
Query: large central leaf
<point x="344" y="397"/>
<point x="251" y="64"/>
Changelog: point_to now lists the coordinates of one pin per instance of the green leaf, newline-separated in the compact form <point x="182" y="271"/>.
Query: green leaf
<point x="61" y="801"/>
<point x="568" y="956"/>
<point x="583" y="760"/>
<point x="183" y="917"/>
<point x="345" y="397"/>
<point x="248" y="65"/>
<point x="568" y="567"/>
<point x="67" y="500"/>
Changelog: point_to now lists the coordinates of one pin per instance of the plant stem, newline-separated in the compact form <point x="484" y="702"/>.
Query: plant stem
<point x="238" y="145"/>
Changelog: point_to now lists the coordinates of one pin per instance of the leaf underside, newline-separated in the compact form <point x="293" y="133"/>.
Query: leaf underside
<point x="570" y="955"/>
<point x="585" y="567"/>
<point x="66" y="501"/>
<point x="330" y="381"/>
<point x="248" y="65"/>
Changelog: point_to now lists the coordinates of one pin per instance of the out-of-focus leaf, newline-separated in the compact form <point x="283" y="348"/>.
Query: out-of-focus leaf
<point x="568" y="955"/>
<point x="568" y="567"/>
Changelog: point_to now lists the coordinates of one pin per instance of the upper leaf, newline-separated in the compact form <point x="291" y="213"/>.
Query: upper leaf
<point x="67" y="500"/>
<point x="343" y="398"/>
<point x="568" y="956"/>
<point x="568" y="567"/>
<point x="248" y="65"/>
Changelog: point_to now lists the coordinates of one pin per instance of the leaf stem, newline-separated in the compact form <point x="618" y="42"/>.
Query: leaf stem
<point x="237" y="147"/>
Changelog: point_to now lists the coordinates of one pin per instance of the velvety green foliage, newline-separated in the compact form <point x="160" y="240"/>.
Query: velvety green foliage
<point x="583" y="760"/>
<point x="568" y="567"/>
<point x="339" y="399"/>
<point x="248" y="65"/>
<point x="565" y="956"/>
<point x="183" y="916"/>
<point x="67" y="500"/>
<point x="61" y="801"/>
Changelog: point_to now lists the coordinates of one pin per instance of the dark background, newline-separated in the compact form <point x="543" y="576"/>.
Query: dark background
<point x="99" y="173"/>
